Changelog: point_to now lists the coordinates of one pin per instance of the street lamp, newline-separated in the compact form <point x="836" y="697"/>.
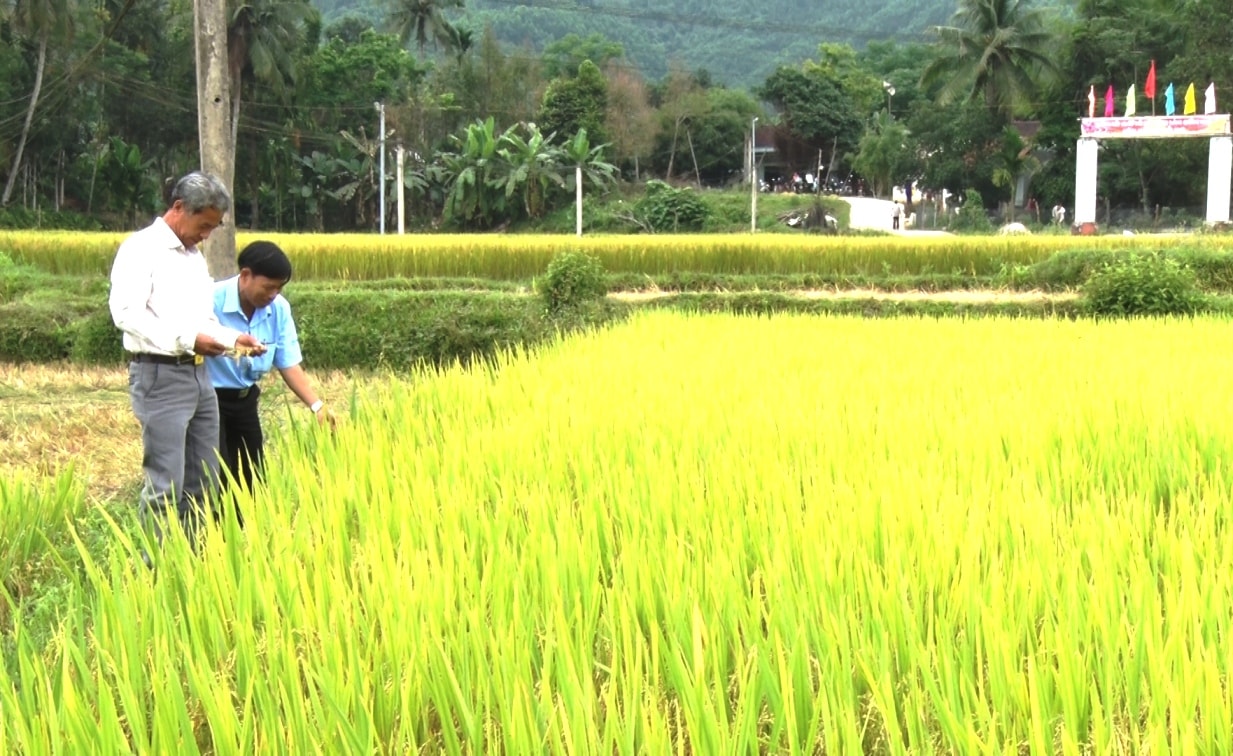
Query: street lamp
<point x="753" y="176"/>
<point x="890" y="90"/>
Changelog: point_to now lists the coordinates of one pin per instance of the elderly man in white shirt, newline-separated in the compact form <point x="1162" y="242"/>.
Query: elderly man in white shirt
<point x="162" y="299"/>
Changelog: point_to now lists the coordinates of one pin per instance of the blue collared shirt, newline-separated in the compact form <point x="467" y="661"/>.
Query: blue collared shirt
<point x="272" y="324"/>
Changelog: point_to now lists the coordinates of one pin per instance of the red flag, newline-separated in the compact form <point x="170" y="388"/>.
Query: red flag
<point x="1149" y="88"/>
<point x="1109" y="102"/>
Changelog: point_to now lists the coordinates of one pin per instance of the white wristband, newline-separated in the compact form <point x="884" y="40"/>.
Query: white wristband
<point x="317" y="405"/>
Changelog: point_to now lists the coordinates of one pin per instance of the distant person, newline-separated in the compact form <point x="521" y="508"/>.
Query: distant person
<point x="252" y="301"/>
<point x="161" y="300"/>
<point x="1059" y="215"/>
<point x="896" y="212"/>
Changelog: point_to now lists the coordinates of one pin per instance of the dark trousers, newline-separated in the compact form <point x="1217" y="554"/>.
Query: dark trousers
<point x="240" y="441"/>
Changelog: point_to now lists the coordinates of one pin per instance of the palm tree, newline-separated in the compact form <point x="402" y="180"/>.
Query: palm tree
<point x="262" y="39"/>
<point x="589" y="164"/>
<point x="423" y="19"/>
<point x="992" y="51"/>
<point x="41" y="21"/>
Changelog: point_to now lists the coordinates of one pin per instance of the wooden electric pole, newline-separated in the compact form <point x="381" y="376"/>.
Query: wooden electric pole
<point x="214" y="123"/>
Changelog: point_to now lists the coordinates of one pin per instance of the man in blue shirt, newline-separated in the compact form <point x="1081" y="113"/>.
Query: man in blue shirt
<point x="252" y="303"/>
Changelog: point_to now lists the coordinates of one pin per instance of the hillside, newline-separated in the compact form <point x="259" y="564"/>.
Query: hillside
<point x="738" y="41"/>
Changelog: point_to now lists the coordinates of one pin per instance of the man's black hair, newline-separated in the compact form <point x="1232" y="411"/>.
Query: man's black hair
<point x="265" y="258"/>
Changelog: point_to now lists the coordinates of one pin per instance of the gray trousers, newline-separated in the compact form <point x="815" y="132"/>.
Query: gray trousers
<point x="178" y="412"/>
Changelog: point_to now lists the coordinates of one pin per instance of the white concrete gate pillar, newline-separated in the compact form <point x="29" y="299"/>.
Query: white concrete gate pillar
<point x="1219" y="171"/>
<point x="1085" y="180"/>
<point x="1215" y="127"/>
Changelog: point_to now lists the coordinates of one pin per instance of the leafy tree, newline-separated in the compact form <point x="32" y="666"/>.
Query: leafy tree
<point x="680" y="97"/>
<point x="816" y="112"/>
<point x="883" y="153"/>
<point x="564" y="56"/>
<point x="955" y="144"/>
<point x="630" y="120"/>
<point x="992" y="51"/>
<point x="40" y="21"/>
<point x="573" y="104"/>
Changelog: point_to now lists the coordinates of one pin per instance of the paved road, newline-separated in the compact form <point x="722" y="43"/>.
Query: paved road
<point x="875" y="215"/>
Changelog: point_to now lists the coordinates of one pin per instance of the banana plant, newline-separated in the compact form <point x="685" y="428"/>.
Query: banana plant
<point x="476" y="193"/>
<point x="533" y="167"/>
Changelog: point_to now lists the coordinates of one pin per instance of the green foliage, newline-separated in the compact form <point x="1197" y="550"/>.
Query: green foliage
<point x="577" y="103"/>
<point x="564" y="56"/>
<point x="574" y="279"/>
<point x="884" y="153"/>
<point x="665" y="209"/>
<point x="972" y="217"/>
<point x="1142" y="284"/>
<point x="990" y="53"/>
<point x="816" y="108"/>
<point x="62" y="220"/>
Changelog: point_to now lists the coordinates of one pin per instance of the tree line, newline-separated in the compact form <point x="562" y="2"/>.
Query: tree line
<point x="98" y="109"/>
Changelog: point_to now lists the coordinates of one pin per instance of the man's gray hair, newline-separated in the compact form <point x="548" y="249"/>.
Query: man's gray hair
<point x="200" y="190"/>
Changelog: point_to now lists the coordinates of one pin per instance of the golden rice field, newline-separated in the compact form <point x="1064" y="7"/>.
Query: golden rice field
<point x="706" y="535"/>
<point x="499" y="256"/>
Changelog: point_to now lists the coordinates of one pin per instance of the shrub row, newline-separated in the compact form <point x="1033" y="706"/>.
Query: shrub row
<point x="397" y="329"/>
<point x="339" y="329"/>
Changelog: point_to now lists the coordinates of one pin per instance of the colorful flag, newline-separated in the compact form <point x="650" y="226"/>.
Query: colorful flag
<point x="1109" y="102"/>
<point x="1149" y="88"/>
<point x="1209" y="99"/>
<point x="1170" y="109"/>
<point x="1130" y="101"/>
<point x="1190" y="108"/>
<point x="1091" y="102"/>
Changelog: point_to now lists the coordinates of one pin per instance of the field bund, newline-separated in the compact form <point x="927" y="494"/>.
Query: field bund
<point x="705" y="535"/>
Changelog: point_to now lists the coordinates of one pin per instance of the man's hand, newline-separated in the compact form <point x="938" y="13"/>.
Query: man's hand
<point x="325" y="415"/>
<point x="206" y="346"/>
<point x="250" y="342"/>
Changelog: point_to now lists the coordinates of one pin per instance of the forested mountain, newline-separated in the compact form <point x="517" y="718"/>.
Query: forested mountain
<point x="739" y="42"/>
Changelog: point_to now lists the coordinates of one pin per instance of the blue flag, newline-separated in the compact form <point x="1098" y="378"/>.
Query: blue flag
<point x="1170" y="109"/>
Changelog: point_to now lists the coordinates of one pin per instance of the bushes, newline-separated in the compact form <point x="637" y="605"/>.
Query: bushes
<point x="972" y="217"/>
<point x="574" y="278"/>
<point x="1152" y="284"/>
<point x="663" y="208"/>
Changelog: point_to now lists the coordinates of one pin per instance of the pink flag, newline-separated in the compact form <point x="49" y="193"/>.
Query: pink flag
<point x="1109" y="102"/>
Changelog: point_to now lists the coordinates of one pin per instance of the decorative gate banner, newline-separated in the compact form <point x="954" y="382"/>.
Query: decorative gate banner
<point x="1155" y="127"/>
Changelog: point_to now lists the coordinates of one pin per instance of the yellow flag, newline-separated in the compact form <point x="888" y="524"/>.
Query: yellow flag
<point x="1130" y="101"/>
<point x="1189" y="109"/>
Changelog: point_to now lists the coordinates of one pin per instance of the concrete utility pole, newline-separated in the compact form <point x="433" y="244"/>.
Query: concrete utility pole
<point x="214" y="123"/>
<point x="380" y="106"/>
<point x="402" y="206"/>
<point x="753" y="176"/>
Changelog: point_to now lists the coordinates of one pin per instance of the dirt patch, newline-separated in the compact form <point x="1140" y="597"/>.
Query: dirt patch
<point x="969" y="296"/>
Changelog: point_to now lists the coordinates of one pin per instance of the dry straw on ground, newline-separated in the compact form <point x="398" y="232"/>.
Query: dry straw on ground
<point x="55" y="415"/>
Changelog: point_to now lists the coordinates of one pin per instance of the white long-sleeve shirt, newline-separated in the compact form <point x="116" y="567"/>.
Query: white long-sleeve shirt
<point x="162" y="294"/>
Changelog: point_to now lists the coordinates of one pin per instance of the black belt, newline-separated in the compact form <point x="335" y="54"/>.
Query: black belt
<point x="167" y="359"/>
<point x="233" y="393"/>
